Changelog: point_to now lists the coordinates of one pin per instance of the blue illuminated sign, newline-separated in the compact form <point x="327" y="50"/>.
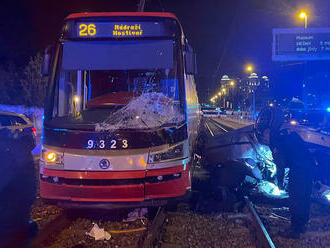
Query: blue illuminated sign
<point x="301" y="44"/>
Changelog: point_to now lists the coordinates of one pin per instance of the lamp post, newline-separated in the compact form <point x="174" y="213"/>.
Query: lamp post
<point x="224" y="96"/>
<point x="303" y="15"/>
<point x="232" y="94"/>
<point x="249" y="68"/>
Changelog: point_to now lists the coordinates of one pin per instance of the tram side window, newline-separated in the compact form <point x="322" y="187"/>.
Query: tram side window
<point x="66" y="91"/>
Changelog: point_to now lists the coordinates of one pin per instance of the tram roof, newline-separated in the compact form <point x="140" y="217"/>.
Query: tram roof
<point x="103" y="14"/>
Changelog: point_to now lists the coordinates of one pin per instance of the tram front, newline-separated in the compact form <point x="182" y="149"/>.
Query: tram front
<point x="115" y="127"/>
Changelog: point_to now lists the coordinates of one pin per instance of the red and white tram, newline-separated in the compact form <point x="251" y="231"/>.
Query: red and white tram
<point x="122" y="112"/>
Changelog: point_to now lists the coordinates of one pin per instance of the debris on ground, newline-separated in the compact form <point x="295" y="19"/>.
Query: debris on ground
<point x="98" y="233"/>
<point x="271" y="190"/>
<point x="136" y="214"/>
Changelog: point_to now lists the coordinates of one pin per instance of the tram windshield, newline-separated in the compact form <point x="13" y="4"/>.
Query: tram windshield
<point x="118" y="85"/>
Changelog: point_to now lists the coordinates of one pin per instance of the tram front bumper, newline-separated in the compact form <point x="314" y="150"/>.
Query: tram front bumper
<point x="143" y="187"/>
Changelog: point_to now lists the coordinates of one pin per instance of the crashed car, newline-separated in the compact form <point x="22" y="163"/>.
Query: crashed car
<point x="238" y="158"/>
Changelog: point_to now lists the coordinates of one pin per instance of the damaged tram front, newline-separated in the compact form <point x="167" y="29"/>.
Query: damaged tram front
<point x="122" y="111"/>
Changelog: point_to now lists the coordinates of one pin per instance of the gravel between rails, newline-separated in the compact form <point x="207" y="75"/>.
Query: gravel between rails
<point x="44" y="213"/>
<point x="182" y="228"/>
<point x="76" y="234"/>
<point x="191" y="229"/>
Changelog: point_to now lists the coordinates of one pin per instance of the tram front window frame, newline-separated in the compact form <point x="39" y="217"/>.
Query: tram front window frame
<point x="66" y="118"/>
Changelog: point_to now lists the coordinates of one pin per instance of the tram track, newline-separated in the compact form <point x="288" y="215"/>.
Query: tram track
<point x="214" y="127"/>
<point x="180" y="228"/>
<point x="69" y="229"/>
<point x="50" y="230"/>
<point x="189" y="228"/>
<point x="268" y="222"/>
<point x="277" y="220"/>
<point x="258" y="230"/>
<point x="152" y="233"/>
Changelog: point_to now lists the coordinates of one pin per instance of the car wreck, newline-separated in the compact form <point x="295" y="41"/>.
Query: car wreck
<point x="237" y="158"/>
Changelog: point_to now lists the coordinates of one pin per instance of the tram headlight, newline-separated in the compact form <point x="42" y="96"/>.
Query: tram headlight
<point x="52" y="157"/>
<point x="173" y="153"/>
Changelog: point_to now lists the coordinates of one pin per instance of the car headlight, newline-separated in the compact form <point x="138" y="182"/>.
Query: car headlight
<point x="173" y="153"/>
<point x="52" y="157"/>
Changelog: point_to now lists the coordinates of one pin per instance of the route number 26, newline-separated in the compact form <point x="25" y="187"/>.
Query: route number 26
<point x="87" y="30"/>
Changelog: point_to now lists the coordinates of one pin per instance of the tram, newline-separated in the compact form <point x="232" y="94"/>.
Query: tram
<point x="122" y="113"/>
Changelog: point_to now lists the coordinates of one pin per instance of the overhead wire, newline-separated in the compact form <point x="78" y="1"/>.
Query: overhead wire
<point x="228" y="39"/>
<point x="161" y="5"/>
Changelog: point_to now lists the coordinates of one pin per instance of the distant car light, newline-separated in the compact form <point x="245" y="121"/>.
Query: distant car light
<point x="34" y="131"/>
<point x="293" y="122"/>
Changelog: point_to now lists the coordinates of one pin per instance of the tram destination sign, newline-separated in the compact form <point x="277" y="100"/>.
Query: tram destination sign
<point x="301" y="44"/>
<point x="123" y="29"/>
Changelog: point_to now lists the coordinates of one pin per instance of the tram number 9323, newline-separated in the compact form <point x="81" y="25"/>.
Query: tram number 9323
<point x="102" y="144"/>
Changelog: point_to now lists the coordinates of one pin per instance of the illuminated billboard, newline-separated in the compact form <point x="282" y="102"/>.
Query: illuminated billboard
<point x="298" y="44"/>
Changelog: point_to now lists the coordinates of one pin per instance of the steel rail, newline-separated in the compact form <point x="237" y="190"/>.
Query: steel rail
<point x="209" y="129"/>
<point x="262" y="237"/>
<point x="51" y="230"/>
<point x="219" y="125"/>
<point x="147" y="240"/>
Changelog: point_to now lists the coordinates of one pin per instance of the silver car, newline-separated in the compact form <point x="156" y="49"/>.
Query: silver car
<point x="21" y="128"/>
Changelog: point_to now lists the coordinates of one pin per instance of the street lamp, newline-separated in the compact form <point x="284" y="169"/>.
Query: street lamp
<point x="232" y="83"/>
<point x="249" y="68"/>
<point x="303" y="15"/>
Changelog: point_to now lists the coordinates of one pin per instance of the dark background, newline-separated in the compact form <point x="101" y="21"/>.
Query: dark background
<point x="226" y="35"/>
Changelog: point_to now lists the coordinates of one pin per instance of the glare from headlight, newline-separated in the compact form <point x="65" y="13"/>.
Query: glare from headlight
<point x="51" y="157"/>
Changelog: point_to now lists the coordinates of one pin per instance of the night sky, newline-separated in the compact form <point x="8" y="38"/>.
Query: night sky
<point x="226" y="34"/>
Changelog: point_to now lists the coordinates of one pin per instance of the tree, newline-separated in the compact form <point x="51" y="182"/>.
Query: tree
<point x="34" y="85"/>
<point x="11" y="91"/>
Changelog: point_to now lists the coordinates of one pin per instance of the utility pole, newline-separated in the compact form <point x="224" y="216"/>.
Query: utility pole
<point x="141" y="5"/>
